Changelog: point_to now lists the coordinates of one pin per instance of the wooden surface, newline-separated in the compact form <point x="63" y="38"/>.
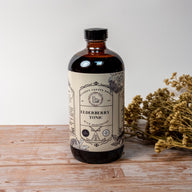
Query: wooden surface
<point x="38" y="159"/>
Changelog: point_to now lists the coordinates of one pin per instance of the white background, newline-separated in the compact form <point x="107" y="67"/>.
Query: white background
<point x="38" y="38"/>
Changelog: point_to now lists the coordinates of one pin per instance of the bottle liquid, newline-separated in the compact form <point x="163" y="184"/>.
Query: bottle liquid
<point x="96" y="101"/>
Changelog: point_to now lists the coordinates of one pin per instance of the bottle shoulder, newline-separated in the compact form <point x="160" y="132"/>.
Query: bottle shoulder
<point x="105" y="62"/>
<point x="114" y="54"/>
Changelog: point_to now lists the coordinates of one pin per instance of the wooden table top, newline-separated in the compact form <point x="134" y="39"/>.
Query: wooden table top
<point x="38" y="159"/>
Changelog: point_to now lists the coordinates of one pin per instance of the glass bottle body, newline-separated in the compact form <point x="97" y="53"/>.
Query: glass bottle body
<point x="96" y="59"/>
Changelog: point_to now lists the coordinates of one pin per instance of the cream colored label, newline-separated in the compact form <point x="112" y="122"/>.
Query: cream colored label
<point x="96" y="108"/>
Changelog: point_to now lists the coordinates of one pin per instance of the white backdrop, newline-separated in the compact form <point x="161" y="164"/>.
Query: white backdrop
<point x="38" y="38"/>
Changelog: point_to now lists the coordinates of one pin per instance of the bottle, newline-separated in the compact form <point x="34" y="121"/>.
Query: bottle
<point x="96" y="101"/>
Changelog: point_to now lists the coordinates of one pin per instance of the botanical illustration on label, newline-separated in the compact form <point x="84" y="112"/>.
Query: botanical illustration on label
<point x="96" y="108"/>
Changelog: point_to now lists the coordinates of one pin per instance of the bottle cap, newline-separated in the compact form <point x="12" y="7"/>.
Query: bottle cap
<point x="96" y="34"/>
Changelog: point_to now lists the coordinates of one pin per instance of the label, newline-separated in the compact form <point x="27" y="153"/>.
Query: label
<point x="96" y="110"/>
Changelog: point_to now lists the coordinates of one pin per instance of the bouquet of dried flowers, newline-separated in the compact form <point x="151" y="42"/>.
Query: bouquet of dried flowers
<point x="167" y="115"/>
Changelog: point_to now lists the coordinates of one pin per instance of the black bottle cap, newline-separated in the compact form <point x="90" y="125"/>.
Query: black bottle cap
<point x="96" y="34"/>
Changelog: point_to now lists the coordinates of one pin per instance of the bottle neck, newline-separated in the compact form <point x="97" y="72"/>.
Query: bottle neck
<point x="96" y="46"/>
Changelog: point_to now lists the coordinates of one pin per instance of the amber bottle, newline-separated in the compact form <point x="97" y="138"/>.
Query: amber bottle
<point x="96" y="101"/>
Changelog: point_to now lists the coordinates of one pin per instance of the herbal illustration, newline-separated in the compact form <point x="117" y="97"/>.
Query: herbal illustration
<point x="79" y="144"/>
<point x="116" y="81"/>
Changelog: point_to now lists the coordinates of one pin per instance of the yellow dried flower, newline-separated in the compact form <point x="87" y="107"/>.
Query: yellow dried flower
<point x="172" y="94"/>
<point x="168" y="118"/>
<point x="150" y="96"/>
<point x="186" y="96"/>
<point x="159" y="115"/>
<point x="180" y="106"/>
<point x="160" y="146"/>
<point x="185" y="139"/>
<point x="170" y="140"/>
<point x="173" y="128"/>
<point x="166" y="81"/>
<point x="173" y="75"/>
<point x="181" y="78"/>
<point x="178" y="87"/>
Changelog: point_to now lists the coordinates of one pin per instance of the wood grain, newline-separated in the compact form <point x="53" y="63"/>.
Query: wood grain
<point x="38" y="159"/>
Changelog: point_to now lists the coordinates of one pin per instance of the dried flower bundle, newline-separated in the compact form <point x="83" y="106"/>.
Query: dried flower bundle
<point x="167" y="114"/>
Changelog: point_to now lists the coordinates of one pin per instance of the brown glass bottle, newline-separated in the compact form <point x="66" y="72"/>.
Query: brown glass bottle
<point x="96" y="59"/>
